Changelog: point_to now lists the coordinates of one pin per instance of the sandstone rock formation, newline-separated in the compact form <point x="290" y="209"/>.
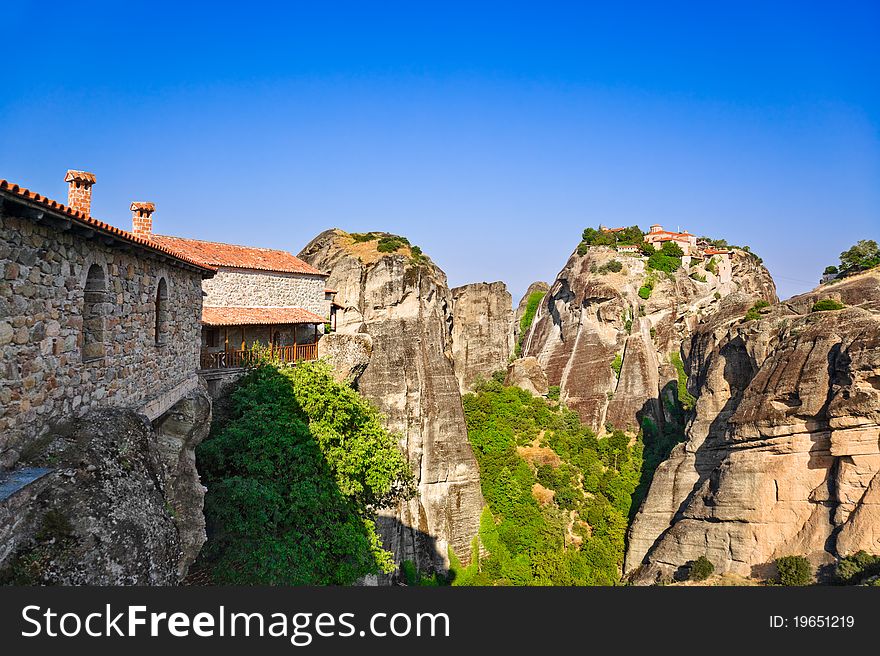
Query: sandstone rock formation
<point x="401" y="300"/>
<point x="122" y="506"/>
<point x="348" y="354"/>
<point x="592" y="315"/>
<point x="523" y="303"/>
<point x="482" y="339"/>
<point x="527" y="374"/>
<point x="783" y="452"/>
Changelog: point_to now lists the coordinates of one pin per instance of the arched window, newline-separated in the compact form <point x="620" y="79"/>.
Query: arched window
<point x="161" y="312"/>
<point x="94" y="314"/>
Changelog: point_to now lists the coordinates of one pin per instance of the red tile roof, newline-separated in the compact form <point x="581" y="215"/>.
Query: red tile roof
<point x="240" y="257"/>
<point x="84" y="219"/>
<point x="715" y="251"/>
<point x="249" y="316"/>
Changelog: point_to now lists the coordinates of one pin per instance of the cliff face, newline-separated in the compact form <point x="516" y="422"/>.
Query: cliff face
<point x="523" y="303"/>
<point x="482" y="336"/>
<point x="121" y="506"/>
<point x="403" y="302"/>
<point x="782" y="453"/>
<point x="593" y="314"/>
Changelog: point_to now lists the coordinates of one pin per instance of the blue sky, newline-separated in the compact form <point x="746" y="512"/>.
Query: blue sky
<point x="490" y="134"/>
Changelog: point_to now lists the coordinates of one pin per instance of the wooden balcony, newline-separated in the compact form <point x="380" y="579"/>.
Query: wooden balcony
<point x="246" y="357"/>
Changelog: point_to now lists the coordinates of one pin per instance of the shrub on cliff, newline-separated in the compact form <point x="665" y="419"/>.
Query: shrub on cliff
<point x="525" y="323"/>
<point x="793" y="570"/>
<point x="827" y="304"/>
<point x="754" y="312"/>
<point x="294" y="479"/>
<point x="662" y="262"/>
<point x="855" y="569"/>
<point x="701" y="569"/>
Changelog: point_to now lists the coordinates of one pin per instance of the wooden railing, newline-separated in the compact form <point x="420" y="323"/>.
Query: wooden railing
<point x="245" y="358"/>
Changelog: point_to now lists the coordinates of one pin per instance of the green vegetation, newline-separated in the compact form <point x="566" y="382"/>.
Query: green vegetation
<point x="660" y="261"/>
<point x="417" y="256"/>
<point x="700" y="569"/>
<point x="698" y="277"/>
<point x="864" y="255"/>
<point x="613" y="266"/>
<point x="391" y="243"/>
<point x="525" y="323"/>
<point x="793" y="570"/>
<point x="754" y="312"/>
<point x="827" y="304"/>
<point x="830" y="270"/>
<point x="295" y="474"/>
<point x="632" y="235"/>
<point x="553" y="392"/>
<point x="685" y="398"/>
<point x="557" y="509"/>
<point x="857" y="569"/>
<point x="617" y="364"/>
<point x="360" y="237"/>
<point x="647" y="287"/>
<point x="712" y="266"/>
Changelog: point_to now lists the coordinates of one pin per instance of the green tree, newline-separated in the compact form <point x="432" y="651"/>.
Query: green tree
<point x="827" y="304"/>
<point x="863" y="255"/>
<point x="700" y="569"/>
<point x="793" y="571"/>
<point x="294" y="477"/>
<point x="830" y="270"/>
<point x="671" y="249"/>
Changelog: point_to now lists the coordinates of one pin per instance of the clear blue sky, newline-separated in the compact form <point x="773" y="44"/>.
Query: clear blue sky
<point x="489" y="134"/>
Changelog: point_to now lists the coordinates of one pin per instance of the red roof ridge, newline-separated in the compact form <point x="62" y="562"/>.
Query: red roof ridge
<point x="224" y="243"/>
<point x="18" y="190"/>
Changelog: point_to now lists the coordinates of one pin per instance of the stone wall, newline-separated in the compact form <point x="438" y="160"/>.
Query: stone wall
<point x="253" y="288"/>
<point x="44" y="378"/>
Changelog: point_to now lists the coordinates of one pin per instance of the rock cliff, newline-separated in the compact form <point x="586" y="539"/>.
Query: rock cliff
<point x="401" y="299"/>
<point x="482" y="336"/>
<point x="598" y="314"/>
<point x="523" y="303"/>
<point x="121" y="506"/>
<point x="782" y="454"/>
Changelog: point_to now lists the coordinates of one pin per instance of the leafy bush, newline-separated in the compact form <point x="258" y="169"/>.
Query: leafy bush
<point x="754" y="312"/>
<point x="553" y="392"/>
<point x="830" y="270"/>
<point x="614" y="266"/>
<point x="827" y="304"/>
<point x="525" y="323"/>
<point x="671" y="249"/>
<point x="793" y="571"/>
<point x="700" y="569"/>
<point x="391" y="244"/>
<point x="360" y="237"/>
<point x="645" y="292"/>
<point x="698" y="277"/>
<point x="662" y="262"/>
<point x="617" y="364"/>
<point x="417" y="256"/>
<point x="852" y="570"/>
<point x="685" y="398"/>
<point x="717" y="296"/>
<point x="294" y="479"/>
<point x="712" y="266"/>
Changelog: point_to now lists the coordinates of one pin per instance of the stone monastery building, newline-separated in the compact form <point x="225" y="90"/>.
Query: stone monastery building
<point x="258" y="295"/>
<point x="89" y="315"/>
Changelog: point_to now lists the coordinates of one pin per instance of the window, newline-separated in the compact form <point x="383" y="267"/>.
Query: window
<point x="212" y="337"/>
<point x="161" y="331"/>
<point x="95" y="311"/>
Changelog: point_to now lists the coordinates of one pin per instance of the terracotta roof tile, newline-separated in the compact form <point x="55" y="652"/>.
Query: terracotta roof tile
<point x="249" y="316"/>
<point x="231" y="255"/>
<point x="84" y="219"/>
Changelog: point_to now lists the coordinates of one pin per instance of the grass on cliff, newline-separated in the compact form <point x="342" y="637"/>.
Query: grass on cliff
<point x="525" y="323"/>
<point x="558" y="496"/>
<point x="295" y="475"/>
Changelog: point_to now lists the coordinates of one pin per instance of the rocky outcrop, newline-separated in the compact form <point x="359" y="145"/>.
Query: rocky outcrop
<point x="783" y="452"/>
<point x="482" y="336"/>
<point x="402" y="301"/>
<point x="348" y="354"/>
<point x="122" y="506"/>
<point x="539" y="286"/>
<point x="594" y="317"/>
<point x="527" y="374"/>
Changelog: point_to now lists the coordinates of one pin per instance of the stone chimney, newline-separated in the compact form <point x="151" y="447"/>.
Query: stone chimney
<point x="79" y="190"/>
<point x="142" y="219"/>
